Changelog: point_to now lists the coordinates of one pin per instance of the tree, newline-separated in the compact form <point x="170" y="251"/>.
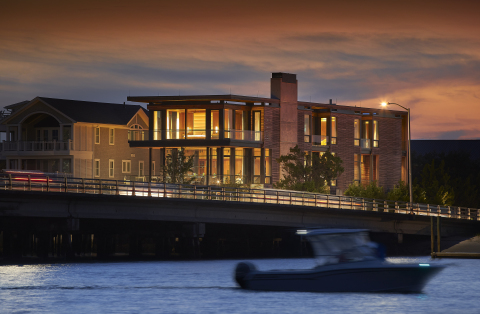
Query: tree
<point x="436" y="183"/>
<point x="400" y="193"/>
<point x="303" y="172"/>
<point x="177" y="165"/>
<point x="371" y="190"/>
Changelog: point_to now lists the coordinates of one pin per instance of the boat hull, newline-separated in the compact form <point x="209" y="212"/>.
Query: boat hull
<point x="376" y="278"/>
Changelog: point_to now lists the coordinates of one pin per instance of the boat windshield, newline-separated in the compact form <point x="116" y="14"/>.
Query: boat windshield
<point x="334" y="248"/>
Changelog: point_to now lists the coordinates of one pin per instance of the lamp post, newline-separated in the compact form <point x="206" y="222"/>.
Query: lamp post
<point x="409" y="153"/>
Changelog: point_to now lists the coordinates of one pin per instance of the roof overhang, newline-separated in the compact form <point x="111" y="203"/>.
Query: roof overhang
<point x="233" y="98"/>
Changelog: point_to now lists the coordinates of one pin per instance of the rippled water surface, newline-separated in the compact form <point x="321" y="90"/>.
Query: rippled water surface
<point x="208" y="287"/>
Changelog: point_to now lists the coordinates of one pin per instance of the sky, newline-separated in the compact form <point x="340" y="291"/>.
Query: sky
<point x="424" y="55"/>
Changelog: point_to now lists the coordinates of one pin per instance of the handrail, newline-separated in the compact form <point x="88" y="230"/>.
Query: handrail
<point x="42" y="183"/>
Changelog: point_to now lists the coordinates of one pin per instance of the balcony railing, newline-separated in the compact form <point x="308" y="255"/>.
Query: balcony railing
<point x="365" y="143"/>
<point x="37" y="146"/>
<point x="320" y="140"/>
<point x="195" y="134"/>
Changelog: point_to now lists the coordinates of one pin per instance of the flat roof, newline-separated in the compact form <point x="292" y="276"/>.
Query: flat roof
<point x="236" y="98"/>
<point x="250" y="99"/>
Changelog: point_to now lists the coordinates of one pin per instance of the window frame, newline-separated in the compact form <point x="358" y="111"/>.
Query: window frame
<point x="96" y="170"/>
<point x="126" y="166"/>
<point x="111" y="136"/>
<point x="111" y="168"/>
<point x="97" y="142"/>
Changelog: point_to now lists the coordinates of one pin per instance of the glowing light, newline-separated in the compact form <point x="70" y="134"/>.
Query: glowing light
<point x="302" y="231"/>
<point x="426" y="265"/>
<point x="384" y="104"/>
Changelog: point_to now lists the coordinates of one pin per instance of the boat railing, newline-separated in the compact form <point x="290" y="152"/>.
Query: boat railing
<point x="54" y="183"/>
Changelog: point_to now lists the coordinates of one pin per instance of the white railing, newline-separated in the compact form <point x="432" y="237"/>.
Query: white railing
<point x="42" y="183"/>
<point x="37" y="146"/>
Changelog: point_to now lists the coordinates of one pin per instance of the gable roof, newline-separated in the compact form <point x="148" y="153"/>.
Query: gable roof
<point x="94" y="112"/>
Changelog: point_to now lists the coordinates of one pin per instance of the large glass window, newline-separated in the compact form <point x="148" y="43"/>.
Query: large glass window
<point x="257" y="156"/>
<point x="215" y="124"/>
<point x="307" y="128"/>
<point x="356" y="132"/>
<point x="213" y="164"/>
<point x="175" y="123"/>
<point x="240" y="118"/>
<point x="323" y="131"/>
<point x="333" y="139"/>
<point x="157" y="125"/>
<point x="257" y="124"/>
<point x="375" y="133"/>
<point x="196" y="128"/>
<point x="226" y="165"/>
<point x="228" y="122"/>
<point x="366" y="134"/>
<point x="356" y="168"/>
<point x="268" y="166"/>
<point x="239" y="169"/>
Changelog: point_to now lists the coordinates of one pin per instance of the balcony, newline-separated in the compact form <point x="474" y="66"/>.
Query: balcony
<point x="195" y="134"/>
<point x="320" y="140"/>
<point x="37" y="146"/>
<point x="366" y="143"/>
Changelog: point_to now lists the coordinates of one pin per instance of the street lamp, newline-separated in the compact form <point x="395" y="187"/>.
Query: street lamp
<point x="384" y="104"/>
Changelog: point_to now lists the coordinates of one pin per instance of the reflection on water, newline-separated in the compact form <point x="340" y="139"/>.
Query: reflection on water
<point x="208" y="287"/>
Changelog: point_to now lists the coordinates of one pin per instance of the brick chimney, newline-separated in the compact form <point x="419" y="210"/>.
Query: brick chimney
<point x="284" y="86"/>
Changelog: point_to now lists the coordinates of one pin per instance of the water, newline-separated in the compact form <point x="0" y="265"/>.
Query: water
<point x="208" y="287"/>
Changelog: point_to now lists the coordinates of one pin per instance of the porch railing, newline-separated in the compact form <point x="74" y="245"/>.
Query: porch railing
<point x="229" y="194"/>
<point x="37" y="146"/>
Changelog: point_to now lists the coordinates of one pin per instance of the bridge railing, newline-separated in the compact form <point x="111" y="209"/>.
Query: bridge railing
<point x="43" y="183"/>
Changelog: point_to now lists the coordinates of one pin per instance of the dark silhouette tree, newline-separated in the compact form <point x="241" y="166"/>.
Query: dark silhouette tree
<point x="177" y="166"/>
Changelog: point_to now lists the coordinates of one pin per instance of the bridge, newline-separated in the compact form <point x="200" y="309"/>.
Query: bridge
<point x="94" y="213"/>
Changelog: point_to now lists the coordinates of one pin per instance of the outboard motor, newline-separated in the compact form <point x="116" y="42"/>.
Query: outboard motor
<point x="242" y="270"/>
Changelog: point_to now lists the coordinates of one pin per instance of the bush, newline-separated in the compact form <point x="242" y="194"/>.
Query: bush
<point x="372" y="190"/>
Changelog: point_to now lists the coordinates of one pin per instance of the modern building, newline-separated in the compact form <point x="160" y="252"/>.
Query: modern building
<point x="237" y="139"/>
<point x="75" y="138"/>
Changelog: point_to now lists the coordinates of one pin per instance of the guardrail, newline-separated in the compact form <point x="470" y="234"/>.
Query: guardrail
<point x="218" y="193"/>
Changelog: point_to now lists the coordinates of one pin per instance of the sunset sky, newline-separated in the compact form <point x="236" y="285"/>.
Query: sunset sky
<point x="421" y="54"/>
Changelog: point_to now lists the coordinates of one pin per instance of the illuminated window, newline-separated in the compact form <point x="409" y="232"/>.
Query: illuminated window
<point x="268" y="166"/>
<point x="157" y="125"/>
<point x="215" y="124"/>
<point x="257" y="122"/>
<point x="356" y="168"/>
<point x="333" y="139"/>
<point x="196" y="123"/>
<point x="375" y="133"/>
<point x="228" y="122"/>
<point x="141" y="170"/>
<point x="356" y="132"/>
<point x="175" y="124"/>
<point x="307" y="128"/>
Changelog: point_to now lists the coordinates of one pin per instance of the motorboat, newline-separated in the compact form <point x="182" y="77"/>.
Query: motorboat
<point x="347" y="261"/>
